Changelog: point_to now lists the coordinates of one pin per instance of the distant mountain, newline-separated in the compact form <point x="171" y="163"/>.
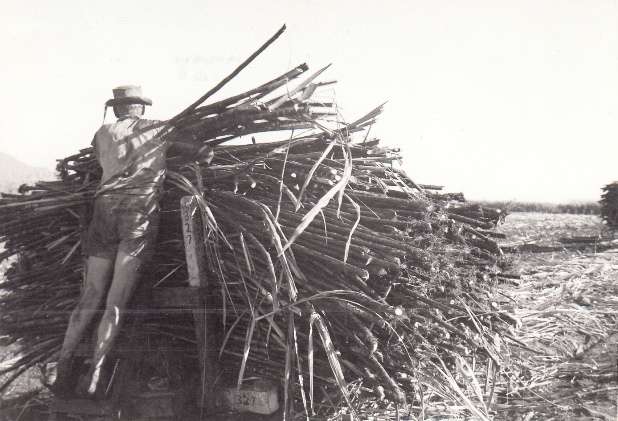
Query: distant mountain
<point x="14" y="173"/>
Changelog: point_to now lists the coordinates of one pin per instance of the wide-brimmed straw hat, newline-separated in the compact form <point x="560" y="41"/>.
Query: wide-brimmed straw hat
<point x="129" y="94"/>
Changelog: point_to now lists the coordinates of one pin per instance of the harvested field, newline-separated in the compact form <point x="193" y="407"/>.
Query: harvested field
<point x="548" y="228"/>
<point x="568" y="305"/>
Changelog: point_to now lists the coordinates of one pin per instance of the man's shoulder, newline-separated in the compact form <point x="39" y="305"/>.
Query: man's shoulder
<point x="104" y="129"/>
<point x="140" y="124"/>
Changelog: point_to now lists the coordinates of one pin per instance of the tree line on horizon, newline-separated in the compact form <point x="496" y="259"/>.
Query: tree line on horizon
<point x="579" y="208"/>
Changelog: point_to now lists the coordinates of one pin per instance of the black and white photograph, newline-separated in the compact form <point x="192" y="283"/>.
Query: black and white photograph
<point x="309" y="210"/>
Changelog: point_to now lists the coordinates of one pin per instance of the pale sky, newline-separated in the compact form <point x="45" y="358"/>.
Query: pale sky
<point x="511" y="100"/>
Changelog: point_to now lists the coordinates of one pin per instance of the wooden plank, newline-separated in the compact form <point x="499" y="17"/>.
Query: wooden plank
<point x="82" y="407"/>
<point x="154" y="405"/>
<point x="84" y="349"/>
<point x="170" y="297"/>
<point x="196" y="260"/>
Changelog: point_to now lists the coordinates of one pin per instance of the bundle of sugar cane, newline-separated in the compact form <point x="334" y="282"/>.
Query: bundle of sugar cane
<point x="407" y="255"/>
<point x="381" y="278"/>
<point x="315" y="232"/>
<point x="609" y="205"/>
<point x="488" y="217"/>
<point x="406" y="259"/>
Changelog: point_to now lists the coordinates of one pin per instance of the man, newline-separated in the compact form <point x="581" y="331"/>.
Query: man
<point x="124" y="225"/>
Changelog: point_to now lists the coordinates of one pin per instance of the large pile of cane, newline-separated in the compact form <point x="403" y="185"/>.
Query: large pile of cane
<point x="609" y="204"/>
<point x="338" y="273"/>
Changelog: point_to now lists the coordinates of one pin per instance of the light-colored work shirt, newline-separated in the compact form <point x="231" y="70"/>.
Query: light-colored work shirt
<point x="131" y="155"/>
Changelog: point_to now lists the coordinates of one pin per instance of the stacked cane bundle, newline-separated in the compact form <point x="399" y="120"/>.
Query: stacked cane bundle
<point x="315" y="232"/>
<point x="609" y="204"/>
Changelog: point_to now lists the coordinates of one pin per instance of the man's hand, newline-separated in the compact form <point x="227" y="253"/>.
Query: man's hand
<point x="193" y="151"/>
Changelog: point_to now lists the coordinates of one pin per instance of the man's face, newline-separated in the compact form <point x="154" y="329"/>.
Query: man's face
<point x="129" y="110"/>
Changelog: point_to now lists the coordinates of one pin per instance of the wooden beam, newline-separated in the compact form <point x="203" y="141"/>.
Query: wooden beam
<point x="192" y="229"/>
<point x="194" y="245"/>
<point x="170" y="297"/>
<point x="82" y="407"/>
<point x="84" y="349"/>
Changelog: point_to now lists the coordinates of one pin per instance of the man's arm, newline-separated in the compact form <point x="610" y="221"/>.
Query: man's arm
<point x="194" y="151"/>
<point x="185" y="144"/>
